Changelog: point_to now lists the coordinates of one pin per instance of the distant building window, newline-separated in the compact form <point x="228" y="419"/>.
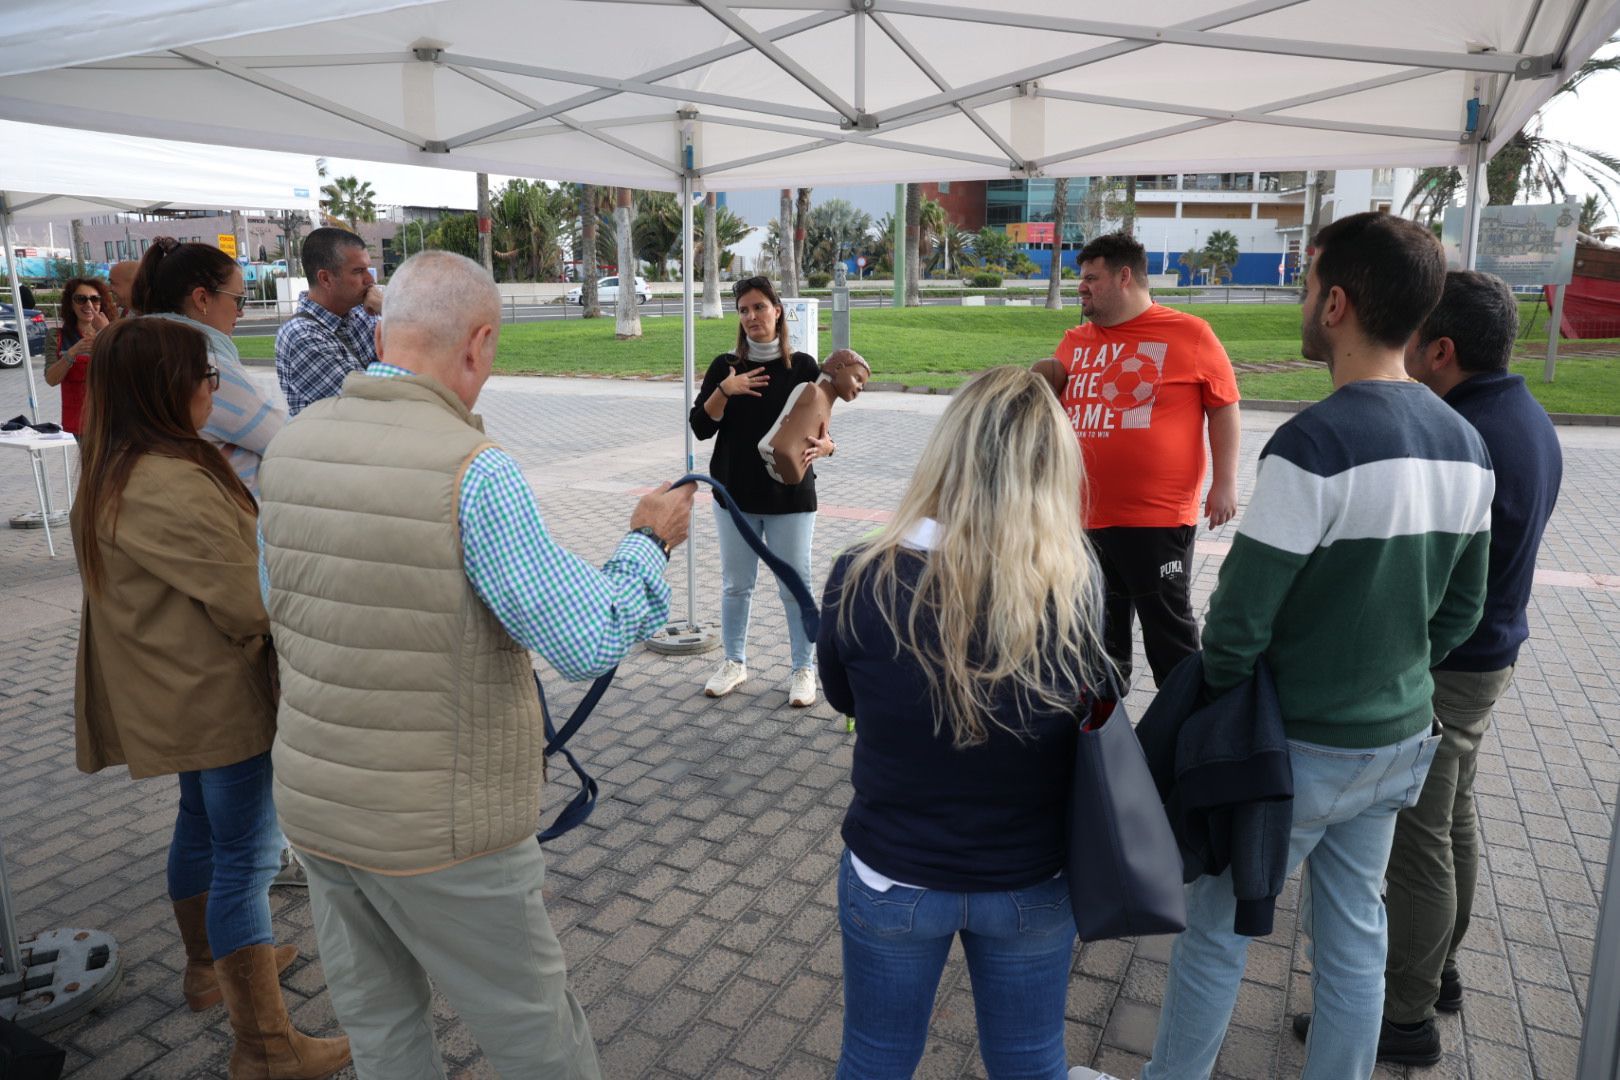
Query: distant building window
<point x="945" y="188"/>
<point x="122" y="250"/>
<point x="110" y="251"/>
<point x="145" y="243"/>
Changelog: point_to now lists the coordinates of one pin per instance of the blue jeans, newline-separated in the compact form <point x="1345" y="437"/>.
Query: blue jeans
<point x="1019" y="947"/>
<point x="227" y="844"/>
<point x="788" y="535"/>
<point x="1345" y="802"/>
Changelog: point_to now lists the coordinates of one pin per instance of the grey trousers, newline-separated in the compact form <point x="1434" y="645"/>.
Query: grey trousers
<point x="479" y="929"/>
<point x="1429" y="886"/>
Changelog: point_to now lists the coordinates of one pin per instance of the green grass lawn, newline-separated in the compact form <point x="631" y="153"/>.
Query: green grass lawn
<point x="943" y="346"/>
<point x="1585" y="385"/>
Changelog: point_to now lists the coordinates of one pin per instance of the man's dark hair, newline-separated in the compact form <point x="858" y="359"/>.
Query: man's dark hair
<point x="1391" y="269"/>
<point x="1479" y="314"/>
<point x="1118" y="250"/>
<point x="324" y="250"/>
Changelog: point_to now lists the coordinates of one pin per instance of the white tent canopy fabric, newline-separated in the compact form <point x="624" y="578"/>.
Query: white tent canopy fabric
<point x="772" y="93"/>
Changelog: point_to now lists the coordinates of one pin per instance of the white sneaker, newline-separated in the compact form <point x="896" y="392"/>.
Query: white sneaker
<point x="802" y="688"/>
<point x="1082" y="1072"/>
<point x="726" y="678"/>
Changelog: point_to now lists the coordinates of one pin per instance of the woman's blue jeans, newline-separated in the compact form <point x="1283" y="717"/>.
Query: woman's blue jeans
<point x="1019" y="948"/>
<point x="788" y="535"/>
<point x="226" y="844"/>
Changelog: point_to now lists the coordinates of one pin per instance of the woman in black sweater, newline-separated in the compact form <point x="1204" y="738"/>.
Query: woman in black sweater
<point x="961" y="638"/>
<point x="743" y="393"/>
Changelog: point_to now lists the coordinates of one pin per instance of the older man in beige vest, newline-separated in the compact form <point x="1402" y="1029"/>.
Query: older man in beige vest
<point x="410" y="575"/>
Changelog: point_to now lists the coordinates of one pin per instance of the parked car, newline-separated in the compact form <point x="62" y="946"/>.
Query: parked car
<point x="10" y="345"/>
<point x="607" y="292"/>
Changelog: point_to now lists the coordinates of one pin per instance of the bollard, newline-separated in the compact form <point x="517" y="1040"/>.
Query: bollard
<point x="840" y="307"/>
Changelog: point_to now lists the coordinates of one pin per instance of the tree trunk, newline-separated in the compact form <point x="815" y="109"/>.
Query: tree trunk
<point x="78" y="247"/>
<point x="239" y="230"/>
<point x="1060" y="211"/>
<point x="1313" y="210"/>
<point x="588" y="272"/>
<point x="1129" y="225"/>
<point x="800" y="229"/>
<point x="486" y="242"/>
<point x="626" y="315"/>
<point x="913" y="243"/>
<point x="711" y="259"/>
<point x="785" y="257"/>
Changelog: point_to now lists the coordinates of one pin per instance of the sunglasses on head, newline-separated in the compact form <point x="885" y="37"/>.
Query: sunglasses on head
<point x="751" y="284"/>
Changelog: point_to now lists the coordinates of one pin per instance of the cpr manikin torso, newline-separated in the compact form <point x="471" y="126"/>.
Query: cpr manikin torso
<point x="804" y="418"/>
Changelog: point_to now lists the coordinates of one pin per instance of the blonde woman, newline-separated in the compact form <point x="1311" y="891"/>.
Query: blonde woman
<point x="961" y="639"/>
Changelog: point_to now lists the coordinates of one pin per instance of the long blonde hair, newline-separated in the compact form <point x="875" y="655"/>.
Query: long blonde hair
<point x="1010" y="584"/>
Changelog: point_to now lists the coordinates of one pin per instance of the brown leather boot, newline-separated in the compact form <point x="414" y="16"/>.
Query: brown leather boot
<point x="267" y="1045"/>
<point x="201" y="987"/>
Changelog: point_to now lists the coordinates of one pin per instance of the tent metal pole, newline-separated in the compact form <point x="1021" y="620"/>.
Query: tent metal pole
<point x="1474" y="195"/>
<point x="15" y="273"/>
<point x="688" y="372"/>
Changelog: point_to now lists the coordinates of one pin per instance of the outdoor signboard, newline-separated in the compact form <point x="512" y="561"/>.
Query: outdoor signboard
<point x="1523" y="245"/>
<point x="227" y="243"/>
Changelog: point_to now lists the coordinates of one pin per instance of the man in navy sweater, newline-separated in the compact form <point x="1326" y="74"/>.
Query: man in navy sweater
<point x="1461" y="353"/>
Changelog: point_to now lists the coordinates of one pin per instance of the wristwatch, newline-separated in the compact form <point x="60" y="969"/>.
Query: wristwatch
<point x="647" y="531"/>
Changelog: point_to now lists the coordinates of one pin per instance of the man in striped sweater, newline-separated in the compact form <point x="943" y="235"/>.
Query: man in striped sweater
<point x="1359" y="564"/>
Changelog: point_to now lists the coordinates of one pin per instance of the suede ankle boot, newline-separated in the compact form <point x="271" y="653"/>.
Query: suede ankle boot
<point x="267" y="1046"/>
<point x="200" y="985"/>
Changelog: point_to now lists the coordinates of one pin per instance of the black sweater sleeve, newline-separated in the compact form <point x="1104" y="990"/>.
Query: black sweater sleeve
<point x="705" y="426"/>
<point x="834" y="679"/>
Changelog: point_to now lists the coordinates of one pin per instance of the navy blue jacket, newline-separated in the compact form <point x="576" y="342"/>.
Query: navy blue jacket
<point x="1223" y="772"/>
<point x="985" y="818"/>
<point x="1529" y="466"/>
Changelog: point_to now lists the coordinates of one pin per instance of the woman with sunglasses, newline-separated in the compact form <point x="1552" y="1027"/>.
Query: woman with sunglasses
<point x="201" y="286"/>
<point x="87" y="307"/>
<point x="743" y="393"/>
<point x="176" y="674"/>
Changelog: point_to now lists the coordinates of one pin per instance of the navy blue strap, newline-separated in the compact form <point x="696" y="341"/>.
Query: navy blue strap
<point x="809" y="610"/>
<point x="584" y="801"/>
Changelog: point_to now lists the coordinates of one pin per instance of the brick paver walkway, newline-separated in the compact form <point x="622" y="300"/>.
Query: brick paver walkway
<point x="698" y="906"/>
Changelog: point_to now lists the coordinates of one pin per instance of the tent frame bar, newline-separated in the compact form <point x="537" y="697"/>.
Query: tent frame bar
<point x="740" y="26"/>
<point x="840" y="136"/>
<point x="1253" y="116"/>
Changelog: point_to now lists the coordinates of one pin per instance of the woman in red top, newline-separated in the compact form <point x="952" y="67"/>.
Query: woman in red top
<point x="87" y="307"/>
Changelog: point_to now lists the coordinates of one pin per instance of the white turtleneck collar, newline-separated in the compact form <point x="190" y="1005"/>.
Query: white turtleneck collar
<point x="764" y="352"/>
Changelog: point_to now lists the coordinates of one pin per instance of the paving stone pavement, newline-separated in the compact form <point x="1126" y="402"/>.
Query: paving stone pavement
<point x="698" y="908"/>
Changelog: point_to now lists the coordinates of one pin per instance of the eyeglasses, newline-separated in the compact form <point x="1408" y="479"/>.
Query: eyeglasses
<point x="87" y="298"/>
<point x="751" y="284"/>
<point x="240" y="298"/>
<point x="211" y="376"/>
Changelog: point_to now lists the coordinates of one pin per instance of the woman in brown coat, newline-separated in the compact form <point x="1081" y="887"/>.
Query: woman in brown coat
<point x="176" y="672"/>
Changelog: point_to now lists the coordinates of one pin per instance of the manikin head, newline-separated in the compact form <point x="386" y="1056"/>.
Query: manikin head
<point x="1469" y="332"/>
<point x="1113" y="279"/>
<point x="848" y="371"/>
<point x="442" y="320"/>
<point x="338" y="268"/>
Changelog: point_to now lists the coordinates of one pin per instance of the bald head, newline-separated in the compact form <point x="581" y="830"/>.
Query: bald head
<point x="441" y="318"/>
<point x="121" y="279"/>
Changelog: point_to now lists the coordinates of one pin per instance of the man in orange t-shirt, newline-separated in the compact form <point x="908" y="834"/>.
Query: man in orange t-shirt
<point x="1138" y="381"/>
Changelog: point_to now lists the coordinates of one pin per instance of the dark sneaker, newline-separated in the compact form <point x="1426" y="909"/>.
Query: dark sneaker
<point x="1397" y="1046"/>
<point x="1451" y="991"/>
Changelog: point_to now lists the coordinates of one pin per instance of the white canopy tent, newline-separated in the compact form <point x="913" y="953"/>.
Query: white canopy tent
<point x="52" y="173"/>
<point x="732" y="94"/>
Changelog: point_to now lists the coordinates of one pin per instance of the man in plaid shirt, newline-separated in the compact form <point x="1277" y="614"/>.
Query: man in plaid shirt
<point x="334" y="330"/>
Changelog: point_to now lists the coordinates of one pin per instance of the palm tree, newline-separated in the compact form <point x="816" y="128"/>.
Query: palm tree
<point x="953" y="242"/>
<point x="835" y="231"/>
<point x="1592" y="215"/>
<point x="914" y="201"/>
<point x="1530" y="162"/>
<point x="627" y="317"/>
<point x="1128" y="223"/>
<point x="931" y="222"/>
<point x="993" y="246"/>
<point x="711" y="259"/>
<point x="657" y="233"/>
<point x="1060" y="212"/>
<point x="801" y="223"/>
<point x="1221" y="254"/>
<point x="348" y="201"/>
<point x="589" y="213"/>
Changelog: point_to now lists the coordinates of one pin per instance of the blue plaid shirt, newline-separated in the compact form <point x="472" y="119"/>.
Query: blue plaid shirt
<point x="581" y="620"/>
<point x="314" y="354"/>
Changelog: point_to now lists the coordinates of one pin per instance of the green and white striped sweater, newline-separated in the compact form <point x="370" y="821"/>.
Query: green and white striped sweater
<point x="1358" y="565"/>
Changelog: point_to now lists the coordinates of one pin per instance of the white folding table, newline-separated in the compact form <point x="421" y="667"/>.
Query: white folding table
<point x="35" y="444"/>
